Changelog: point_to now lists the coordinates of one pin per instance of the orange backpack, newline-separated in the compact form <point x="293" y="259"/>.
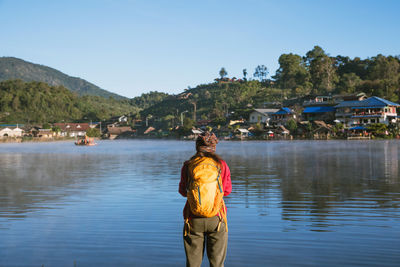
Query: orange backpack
<point x="204" y="188"/>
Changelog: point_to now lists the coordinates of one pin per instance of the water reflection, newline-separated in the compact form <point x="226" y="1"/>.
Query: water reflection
<point x="311" y="181"/>
<point x="120" y="200"/>
<point x="322" y="183"/>
<point x="29" y="181"/>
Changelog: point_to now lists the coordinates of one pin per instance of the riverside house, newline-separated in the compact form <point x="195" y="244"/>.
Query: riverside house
<point x="73" y="129"/>
<point x="46" y="133"/>
<point x="261" y="115"/>
<point x="119" y="131"/>
<point x="282" y="116"/>
<point x="329" y="100"/>
<point x="319" y="113"/>
<point x="11" y="132"/>
<point x="370" y="110"/>
<point x="322" y="108"/>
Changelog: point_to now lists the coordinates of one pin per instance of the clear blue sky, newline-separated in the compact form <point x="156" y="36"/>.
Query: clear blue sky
<point x="132" y="47"/>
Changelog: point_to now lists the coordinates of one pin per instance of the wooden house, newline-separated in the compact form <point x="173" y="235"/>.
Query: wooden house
<point x="282" y="116"/>
<point x="114" y="132"/>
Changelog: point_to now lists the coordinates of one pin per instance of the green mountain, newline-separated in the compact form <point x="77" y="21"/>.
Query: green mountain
<point x="38" y="102"/>
<point x="13" y="68"/>
<point x="214" y="101"/>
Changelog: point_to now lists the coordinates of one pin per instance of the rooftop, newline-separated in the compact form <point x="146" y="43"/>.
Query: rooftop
<point x="266" y="111"/>
<point x="283" y="111"/>
<point x="319" y="109"/>
<point x="372" y="102"/>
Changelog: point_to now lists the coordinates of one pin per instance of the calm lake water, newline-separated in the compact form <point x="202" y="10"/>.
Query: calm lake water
<point x="294" y="203"/>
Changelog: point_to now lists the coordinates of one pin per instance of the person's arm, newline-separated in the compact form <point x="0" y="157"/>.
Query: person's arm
<point x="226" y="179"/>
<point x="182" y="183"/>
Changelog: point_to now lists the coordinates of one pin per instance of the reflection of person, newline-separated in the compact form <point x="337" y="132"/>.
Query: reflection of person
<point x="205" y="172"/>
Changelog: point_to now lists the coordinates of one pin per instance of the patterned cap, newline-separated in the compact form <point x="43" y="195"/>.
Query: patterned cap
<point x="206" y="142"/>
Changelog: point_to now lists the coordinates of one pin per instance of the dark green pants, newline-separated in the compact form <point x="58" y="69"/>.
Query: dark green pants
<point x="203" y="234"/>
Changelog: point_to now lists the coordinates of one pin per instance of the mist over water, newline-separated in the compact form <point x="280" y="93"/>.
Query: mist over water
<point x="300" y="203"/>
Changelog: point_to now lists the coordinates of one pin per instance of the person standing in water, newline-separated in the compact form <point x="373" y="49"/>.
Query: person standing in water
<point x="205" y="180"/>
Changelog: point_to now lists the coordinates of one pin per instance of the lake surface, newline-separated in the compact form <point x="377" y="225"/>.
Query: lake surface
<point x="294" y="203"/>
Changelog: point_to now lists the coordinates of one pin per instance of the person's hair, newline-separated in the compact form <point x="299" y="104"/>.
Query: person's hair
<point x="212" y="155"/>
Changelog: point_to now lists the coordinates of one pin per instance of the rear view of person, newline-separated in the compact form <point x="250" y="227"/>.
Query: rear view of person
<point x="205" y="180"/>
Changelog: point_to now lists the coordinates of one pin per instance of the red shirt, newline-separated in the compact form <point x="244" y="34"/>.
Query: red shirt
<point x="225" y="177"/>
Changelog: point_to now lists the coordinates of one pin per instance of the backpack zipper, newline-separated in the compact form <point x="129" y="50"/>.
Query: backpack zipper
<point x="198" y="188"/>
<point x="219" y="185"/>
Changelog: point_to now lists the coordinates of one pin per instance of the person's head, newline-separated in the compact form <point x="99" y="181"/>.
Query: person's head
<point x="206" y="144"/>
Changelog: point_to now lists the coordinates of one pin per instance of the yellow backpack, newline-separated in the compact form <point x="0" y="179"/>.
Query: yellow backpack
<point x="204" y="187"/>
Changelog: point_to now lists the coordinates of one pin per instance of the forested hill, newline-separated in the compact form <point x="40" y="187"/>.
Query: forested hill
<point x="38" y="102"/>
<point x="315" y="73"/>
<point x="214" y="101"/>
<point x="14" y="68"/>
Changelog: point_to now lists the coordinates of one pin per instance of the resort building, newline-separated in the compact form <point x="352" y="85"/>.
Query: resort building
<point x="73" y="129"/>
<point x="322" y="108"/>
<point x="319" y="113"/>
<point x="261" y="115"/>
<point x="329" y="100"/>
<point x="318" y="100"/>
<point x="282" y="116"/>
<point x="370" y="110"/>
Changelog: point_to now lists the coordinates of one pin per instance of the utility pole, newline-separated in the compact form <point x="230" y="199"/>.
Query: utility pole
<point x="182" y="116"/>
<point x="194" y="103"/>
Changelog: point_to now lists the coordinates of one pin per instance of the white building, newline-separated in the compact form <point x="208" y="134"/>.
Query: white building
<point x="8" y="132"/>
<point x="368" y="111"/>
<point x="261" y="115"/>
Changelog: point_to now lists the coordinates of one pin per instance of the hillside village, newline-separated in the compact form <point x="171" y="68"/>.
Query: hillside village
<point x="352" y="116"/>
<point x="314" y="96"/>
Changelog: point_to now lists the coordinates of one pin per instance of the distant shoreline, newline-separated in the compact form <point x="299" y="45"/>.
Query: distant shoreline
<point x="71" y="139"/>
<point x="14" y="140"/>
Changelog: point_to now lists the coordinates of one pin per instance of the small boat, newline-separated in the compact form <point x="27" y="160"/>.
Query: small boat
<point x="87" y="141"/>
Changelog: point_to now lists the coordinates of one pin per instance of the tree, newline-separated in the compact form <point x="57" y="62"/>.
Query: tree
<point x="338" y="127"/>
<point x="16" y="103"/>
<point x="348" y="83"/>
<point x="261" y="72"/>
<point x="169" y="119"/>
<point x="378" y="129"/>
<point x="222" y="73"/>
<point x="93" y="132"/>
<point x="188" y="124"/>
<point x="291" y="125"/>
<point x="292" y="72"/>
<point x="386" y="70"/>
<point x="357" y="66"/>
<point x="56" y="129"/>
<point x="322" y="70"/>
<point x="245" y="74"/>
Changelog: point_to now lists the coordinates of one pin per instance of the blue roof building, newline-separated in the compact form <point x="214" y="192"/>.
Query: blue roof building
<point x="319" y="109"/>
<point x="282" y="116"/>
<point x="319" y="113"/>
<point x="370" y="110"/>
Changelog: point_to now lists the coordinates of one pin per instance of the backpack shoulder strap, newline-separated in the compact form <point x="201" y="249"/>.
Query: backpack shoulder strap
<point x="188" y="177"/>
